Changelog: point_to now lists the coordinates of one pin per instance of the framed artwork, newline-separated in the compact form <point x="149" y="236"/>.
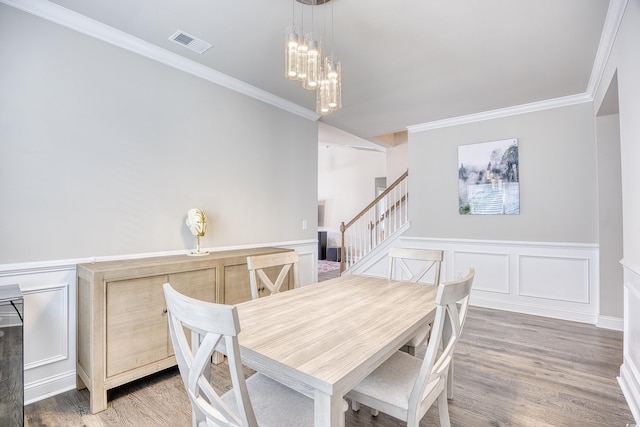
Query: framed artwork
<point x="488" y="178"/>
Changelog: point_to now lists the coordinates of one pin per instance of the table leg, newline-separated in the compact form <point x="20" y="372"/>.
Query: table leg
<point x="328" y="410"/>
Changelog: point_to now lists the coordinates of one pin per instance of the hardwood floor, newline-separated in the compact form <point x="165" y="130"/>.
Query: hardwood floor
<point x="511" y="370"/>
<point x="328" y="275"/>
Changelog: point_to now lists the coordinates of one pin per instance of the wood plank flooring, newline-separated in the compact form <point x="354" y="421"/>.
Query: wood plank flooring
<point x="511" y="370"/>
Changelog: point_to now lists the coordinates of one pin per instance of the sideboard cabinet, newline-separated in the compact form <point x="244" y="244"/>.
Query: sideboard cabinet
<point x="122" y="332"/>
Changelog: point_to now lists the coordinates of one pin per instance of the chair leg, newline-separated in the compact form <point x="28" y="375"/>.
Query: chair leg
<point x="355" y="406"/>
<point x="443" y="410"/>
<point x="450" y="381"/>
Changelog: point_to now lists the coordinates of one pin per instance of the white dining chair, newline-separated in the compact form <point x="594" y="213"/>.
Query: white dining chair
<point x="405" y="386"/>
<point x="255" y="401"/>
<point x="257" y="265"/>
<point x="430" y="260"/>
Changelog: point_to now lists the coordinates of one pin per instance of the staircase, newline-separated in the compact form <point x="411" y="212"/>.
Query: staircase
<point x="386" y="215"/>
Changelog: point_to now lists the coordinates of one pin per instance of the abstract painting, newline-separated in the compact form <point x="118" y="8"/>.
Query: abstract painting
<point x="488" y="178"/>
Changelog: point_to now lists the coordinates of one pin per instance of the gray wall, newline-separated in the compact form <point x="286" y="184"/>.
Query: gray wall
<point x="610" y="215"/>
<point x="558" y="182"/>
<point x="102" y="152"/>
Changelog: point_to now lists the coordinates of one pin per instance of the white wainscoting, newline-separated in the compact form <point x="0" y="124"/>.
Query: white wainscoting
<point x="546" y="279"/>
<point x="49" y="290"/>
<point x="629" y="378"/>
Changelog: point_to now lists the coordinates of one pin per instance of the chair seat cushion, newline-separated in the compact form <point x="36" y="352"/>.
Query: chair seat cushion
<point x="274" y="404"/>
<point x="388" y="388"/>
<point x="420" y="338"/>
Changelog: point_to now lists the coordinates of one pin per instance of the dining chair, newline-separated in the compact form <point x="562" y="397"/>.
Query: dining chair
<point x="255" y="401"/>
<point x="405" y="386"/>
<point x="257" y="264"/>
<point x="430" y="260"/>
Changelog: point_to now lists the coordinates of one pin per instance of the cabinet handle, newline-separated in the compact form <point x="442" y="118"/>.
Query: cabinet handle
<point x="164" y="311"/>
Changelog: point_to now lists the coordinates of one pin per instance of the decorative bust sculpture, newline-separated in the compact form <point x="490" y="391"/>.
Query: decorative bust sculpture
<point x="197" y="223"/>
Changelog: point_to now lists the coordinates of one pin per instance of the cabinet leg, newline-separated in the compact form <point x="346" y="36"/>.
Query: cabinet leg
<point x="79" y="383"/>
<point x="97" y="401"/>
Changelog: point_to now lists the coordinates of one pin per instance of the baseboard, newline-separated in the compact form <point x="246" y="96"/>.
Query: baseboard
<point x="47" y="387"/>
<point x="630" y="386"/>
<point x="534" y="310"/>
<point x="608" y="322"/>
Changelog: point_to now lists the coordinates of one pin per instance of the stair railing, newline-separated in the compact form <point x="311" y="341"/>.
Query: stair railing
<point x="381" y="218"/>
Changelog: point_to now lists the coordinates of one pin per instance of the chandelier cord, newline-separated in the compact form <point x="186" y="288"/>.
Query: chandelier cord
<point x="332" y="29"/>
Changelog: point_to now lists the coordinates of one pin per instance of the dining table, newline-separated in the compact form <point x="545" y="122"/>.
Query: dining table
<point x="324" y="338"/>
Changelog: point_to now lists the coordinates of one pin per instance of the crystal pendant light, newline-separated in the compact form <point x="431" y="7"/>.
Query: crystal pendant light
<point x="329" y="97"/>
<point x="291" y="55"/>
<point x="314" y="63"/>
<point x="322" y="98"/>
<point x="304" y="62"/>
<point x="334" y="70"/>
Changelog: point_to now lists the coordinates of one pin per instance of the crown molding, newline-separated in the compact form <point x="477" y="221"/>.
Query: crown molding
<point x="90" y="27"/>
<point x="503" y="112"/>
<point x="607" y="39"/>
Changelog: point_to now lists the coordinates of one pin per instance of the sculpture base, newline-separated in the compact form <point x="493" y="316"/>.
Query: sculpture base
<point x="198" y="253"/>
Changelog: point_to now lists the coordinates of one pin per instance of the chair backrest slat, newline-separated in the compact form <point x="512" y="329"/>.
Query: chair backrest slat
<point x="256" y="264"/>
<point x="431" y="260"/>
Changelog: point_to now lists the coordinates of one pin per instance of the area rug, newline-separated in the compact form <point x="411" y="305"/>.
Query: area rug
<point x="326" y="266"/>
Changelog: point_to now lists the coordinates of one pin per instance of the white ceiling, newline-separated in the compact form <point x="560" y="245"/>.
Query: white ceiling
<point x="405" y="62"/>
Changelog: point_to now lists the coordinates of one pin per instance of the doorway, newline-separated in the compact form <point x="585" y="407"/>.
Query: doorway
<point x="610" y="225"/>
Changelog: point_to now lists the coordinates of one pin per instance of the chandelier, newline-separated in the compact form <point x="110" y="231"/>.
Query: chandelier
<point x="304" y="61"/>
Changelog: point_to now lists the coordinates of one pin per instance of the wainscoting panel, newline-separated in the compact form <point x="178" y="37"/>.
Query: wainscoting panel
<point x="47" y="334"/>
<point x="630" y="370"/>
<point x="555" y="278"/>
<point x="492" y="270"/>
<point x="49" y="325"/>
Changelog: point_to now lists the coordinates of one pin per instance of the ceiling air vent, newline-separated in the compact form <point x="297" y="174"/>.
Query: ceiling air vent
<point x="190" y="42"/>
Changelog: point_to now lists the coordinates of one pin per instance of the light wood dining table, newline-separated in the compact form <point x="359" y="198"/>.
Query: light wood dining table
<point x="323" y="339"/>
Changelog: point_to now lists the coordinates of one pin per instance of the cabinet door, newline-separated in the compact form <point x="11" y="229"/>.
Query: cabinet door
<point x="136" y="323"/>
<point x="237" y="286"/>
<point x="199" y="284"/>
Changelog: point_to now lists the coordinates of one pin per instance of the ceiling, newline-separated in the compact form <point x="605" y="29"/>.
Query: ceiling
<point x="404" y="62"/>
